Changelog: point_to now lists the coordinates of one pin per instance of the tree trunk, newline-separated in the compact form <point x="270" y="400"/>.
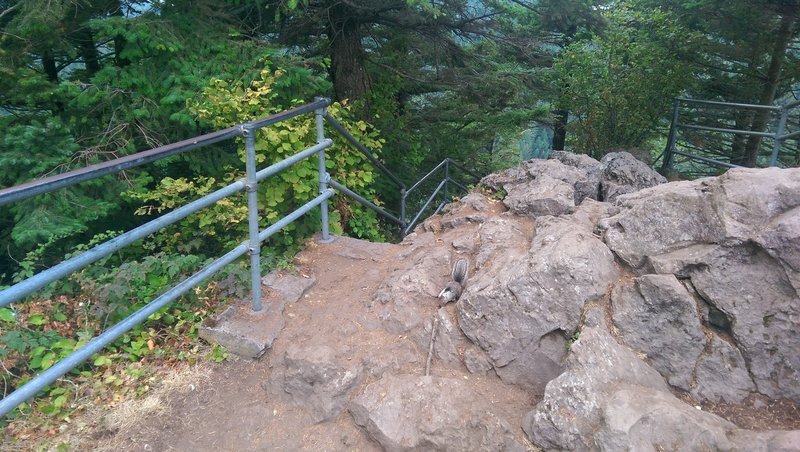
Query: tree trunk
<point x="560" y="129"/>
<point x="49" y="66"/>
<point x="88" y="51"/>
<point x="350" y="78"/>
<point x="782" y="39"/>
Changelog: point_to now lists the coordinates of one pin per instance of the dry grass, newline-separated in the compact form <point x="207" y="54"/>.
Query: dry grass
<point x="102" y="428"/>
<point x="132" y="412"/>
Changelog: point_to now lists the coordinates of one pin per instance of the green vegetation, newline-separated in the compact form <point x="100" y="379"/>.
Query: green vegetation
<point x="85" y="81"/>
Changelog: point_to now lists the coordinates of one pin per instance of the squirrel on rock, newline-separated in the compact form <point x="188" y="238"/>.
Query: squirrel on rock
<point x="455" y="287"/>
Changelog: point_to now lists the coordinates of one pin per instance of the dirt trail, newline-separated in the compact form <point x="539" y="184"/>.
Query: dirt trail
<point x="242" y="405"/>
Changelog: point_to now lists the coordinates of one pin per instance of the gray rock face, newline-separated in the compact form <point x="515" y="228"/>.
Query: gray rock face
<point x="658" y="317"/>
<point x="522" y="312"/>
<point x="587" y="186"/>
<point x="571" y="409"/>
<point x="404" y="301"/>
<point x="608" y="399"/>
<point x="623" y="173"/>
<point x="721" y="374"/>
<point x="741" y="205"/>
<point x="541" y="196"/>
<point x="660" y="220"/>
<point x="314" y="380"/>
<point x="764" y="311"/>
<point x="636" y="418"/>
<point x="532" y="189"/>
<point x="735" y="237"/>
<point x="405" y="413"/>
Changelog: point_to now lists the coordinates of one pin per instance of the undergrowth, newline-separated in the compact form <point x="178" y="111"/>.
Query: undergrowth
<point x="36" y="334"/>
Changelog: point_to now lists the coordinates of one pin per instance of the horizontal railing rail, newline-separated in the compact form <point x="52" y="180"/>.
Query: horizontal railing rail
<point x="442" y="187"/>
<point x="778" y="132"/>
<point x="48" y="184"/>
<point x="252" y="246"/>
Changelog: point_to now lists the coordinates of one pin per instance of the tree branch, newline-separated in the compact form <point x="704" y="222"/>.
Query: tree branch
<point x="8" y="10"/>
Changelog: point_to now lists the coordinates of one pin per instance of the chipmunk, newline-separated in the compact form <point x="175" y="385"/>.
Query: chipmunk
<point x="454" y="288"/>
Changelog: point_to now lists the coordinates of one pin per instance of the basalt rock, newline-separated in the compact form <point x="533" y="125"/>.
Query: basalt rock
<point x="409" y="412"/>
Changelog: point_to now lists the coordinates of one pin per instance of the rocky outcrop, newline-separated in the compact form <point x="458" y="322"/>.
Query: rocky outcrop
<point x="734" y="239"/>
<point x="556" y="186"/>
<point x="598" y="290"/>
<point x="523" y="311"/>
<point x="624" y="173"/>
<point x="408" y="412"/>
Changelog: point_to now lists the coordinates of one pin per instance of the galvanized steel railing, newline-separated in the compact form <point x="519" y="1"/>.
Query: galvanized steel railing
<point x="252" y="246"/>
<point x="779" y="133"/>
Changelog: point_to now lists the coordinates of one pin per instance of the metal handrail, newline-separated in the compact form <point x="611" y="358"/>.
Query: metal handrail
<point x="339" y="128"/>
<point x="252" y="246"/>
<point x="727" y="104"/>
<point x="779" y="136"/>
<point x="48" y="184"/>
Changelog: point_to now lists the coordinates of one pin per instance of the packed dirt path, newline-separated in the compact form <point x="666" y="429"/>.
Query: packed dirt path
<point x="243" y="404"/>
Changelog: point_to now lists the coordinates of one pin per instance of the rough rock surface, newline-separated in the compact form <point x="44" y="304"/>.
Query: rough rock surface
<point x="533" y="189"/>
<point x="409" y="412"/>
<point x="658" y="317"/>
<point x="733" y="238"/>
<point x="591" y="325"/>
<point x="544" y="196"/>
<point x="524" y="310"/>
<point x="314" y="380"/>
<point x="623" y="173"/>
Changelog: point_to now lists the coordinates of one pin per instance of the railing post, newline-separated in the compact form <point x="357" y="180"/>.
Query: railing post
<point x="251" y="186"/>
<point x="404" y="223"/>
<point x="673" y="134"/>
<point x="776" y="147"/>
<point x="446" y="178"/>
<point x="323" y="172"/>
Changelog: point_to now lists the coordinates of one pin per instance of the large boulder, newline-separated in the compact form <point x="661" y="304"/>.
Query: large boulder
<point x="571" y="410"/>
<point x="533" y="187"/>
<point x="734" y="237"/>
<point x="541" y="196"/>
<point x="409" y="412"/>
<point x="623" y="173"/>
<point x="753" y="291"/>
<point x="523" y="311"/>
<point x="657" y="316"/>
<point x="741" y="205"/>
<point x="610" y="400"/>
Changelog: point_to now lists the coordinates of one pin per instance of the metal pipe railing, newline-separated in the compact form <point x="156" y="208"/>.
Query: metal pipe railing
<point x="364" y="201"/>
<point x="424" y="206"/>
<point x="426" y="177"/>
<point x="779" y="137"/>
<point x="50" y="375"/>
<point x="733" y="131"/>
<point x="252" y="246"/>
<point x="707" y="160"/>
<point x="322" y="172"/>
<point x="339" y="128"/>
<point x="69" y="266"/>
<point x="728" y="104"/>
<point x="251" y="187"/>
<point x="790" y="135"/>
<point x="48" y="184"/>
<point x="464" y="169"/>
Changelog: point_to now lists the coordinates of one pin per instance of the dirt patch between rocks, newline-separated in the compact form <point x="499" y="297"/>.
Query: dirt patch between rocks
<point x="242" y="404"/>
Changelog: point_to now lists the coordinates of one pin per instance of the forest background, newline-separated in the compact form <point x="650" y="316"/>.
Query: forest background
<point x="84" y="81"/>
